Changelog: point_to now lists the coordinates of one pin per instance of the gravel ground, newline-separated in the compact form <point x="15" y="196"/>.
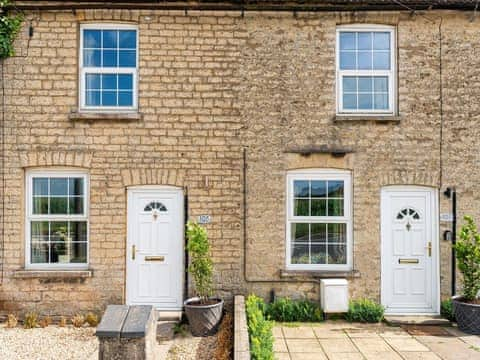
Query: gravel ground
<point x="50" y="343"/>
<point x="189" y="347"/>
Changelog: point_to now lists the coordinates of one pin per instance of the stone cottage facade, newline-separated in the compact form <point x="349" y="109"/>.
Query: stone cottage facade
<point x="313" y="144"/>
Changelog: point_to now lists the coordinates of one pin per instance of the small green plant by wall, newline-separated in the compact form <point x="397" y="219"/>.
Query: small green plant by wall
<point x="10" y="23"/>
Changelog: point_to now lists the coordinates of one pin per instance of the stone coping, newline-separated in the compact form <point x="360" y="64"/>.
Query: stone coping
<point x="241" y="343"/>
<point x="111" y="116"/>
<point x="33" y="274"/>
<point x="123" y="321"/>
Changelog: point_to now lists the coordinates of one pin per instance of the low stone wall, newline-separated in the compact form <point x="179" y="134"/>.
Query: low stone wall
<point x="241" y="345"/>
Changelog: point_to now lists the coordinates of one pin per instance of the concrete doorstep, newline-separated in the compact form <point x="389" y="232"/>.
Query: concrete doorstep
<point x="416" y="320"/>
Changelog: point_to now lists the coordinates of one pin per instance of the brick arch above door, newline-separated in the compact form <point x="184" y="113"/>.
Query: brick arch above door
<point x="174" y="177"/>
<point x="406" y="177"/>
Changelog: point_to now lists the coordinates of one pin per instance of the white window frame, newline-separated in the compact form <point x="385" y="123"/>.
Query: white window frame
<point x="391" y="74"/>
<point x="29" y="216"/>
<point x="320" y="174"/>
<point x="115" y="70"/>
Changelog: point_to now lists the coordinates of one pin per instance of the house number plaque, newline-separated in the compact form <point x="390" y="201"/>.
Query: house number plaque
<point x="204" y="219"/>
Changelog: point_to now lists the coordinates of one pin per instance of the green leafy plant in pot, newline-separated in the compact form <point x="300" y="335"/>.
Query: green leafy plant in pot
<point x="466" y="307"/>
<point x="204" y="312"/>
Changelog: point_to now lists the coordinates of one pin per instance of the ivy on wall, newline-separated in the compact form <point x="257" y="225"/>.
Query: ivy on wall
<point x="9" y="26"/>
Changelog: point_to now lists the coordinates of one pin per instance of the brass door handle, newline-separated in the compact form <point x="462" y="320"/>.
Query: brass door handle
<point x="429" y="248"/>
<point x="154" y="258"/>
<point x="134" y="250"/>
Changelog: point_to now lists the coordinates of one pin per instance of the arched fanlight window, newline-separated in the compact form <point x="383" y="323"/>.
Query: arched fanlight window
<point x="408" y="212"/>
<point x="155" y="205"/>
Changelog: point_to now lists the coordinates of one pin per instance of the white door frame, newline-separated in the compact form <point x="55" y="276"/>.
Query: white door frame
<point x="157" y="189"/>
<point x="435" y="277"/>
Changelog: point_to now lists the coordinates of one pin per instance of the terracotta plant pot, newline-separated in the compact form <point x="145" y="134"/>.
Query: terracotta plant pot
<point x="203" y="319"/>
<point x="467" y="315"/>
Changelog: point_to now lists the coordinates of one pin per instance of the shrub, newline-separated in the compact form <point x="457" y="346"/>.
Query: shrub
<point x="11" y="321"/>
<point x="45" y="321"/>
<point x="92" y="319"/>
<point x="446" y="309"/>
<point x="78" y="320"/>
<point x="9" y="27"/>
<point x="468" y="258"/>
<point x="365" y="310"/>
<point x="201" y="265"/>
<point x="285" y="309"/>
<point x="259" y="329"/>
<point x="62" y="322"/>
<point x="31" y="320"/>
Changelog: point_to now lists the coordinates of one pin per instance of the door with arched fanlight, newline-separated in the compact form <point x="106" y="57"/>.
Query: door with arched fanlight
<point x="155" y="247"/>
<point x="410" y="280"/>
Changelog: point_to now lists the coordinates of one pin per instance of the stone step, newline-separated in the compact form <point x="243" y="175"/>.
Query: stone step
<point x="416" y="320"/>
<point x="165" y="330"/>
<point x="169" y="315"/>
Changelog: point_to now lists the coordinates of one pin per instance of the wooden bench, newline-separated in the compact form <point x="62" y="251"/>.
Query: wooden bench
<point x="127" y="332"/>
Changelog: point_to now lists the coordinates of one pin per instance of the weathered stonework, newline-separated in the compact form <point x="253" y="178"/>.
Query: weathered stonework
<point x="210" y="86"/>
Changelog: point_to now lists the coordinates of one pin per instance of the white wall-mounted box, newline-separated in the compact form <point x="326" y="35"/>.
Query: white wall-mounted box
<point x="334" y="295"/>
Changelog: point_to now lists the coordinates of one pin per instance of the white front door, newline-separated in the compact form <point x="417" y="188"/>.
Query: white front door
<point x="410" y="280"/>
<point x="155" y="247"/>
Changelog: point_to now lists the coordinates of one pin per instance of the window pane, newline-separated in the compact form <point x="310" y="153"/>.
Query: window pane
<point x="300" y="254"/>
<point x="380" y="84"/>
<point x="76" y="205"/>
<point x="59" y="231"/>
<point x="301" y="207"/>
<point x="349" y="84"/>
<point x="128" y="39"/>
<point x="91" y="39"/>
<point x="381" y="60"/>
<point x="337" y="233"/>
<point x="40" y="205"/>
<point x="40" y="186"/>
<point x="300" y="232"/>
<point x="78" y="252"/>
<point x="347" y="41"/>
<point x="110" y="58"/>
<point x="381" y="41"/>
<point x="364" y="41"/>
<point x="110" y="39"/>
<point x="337" y="254"/>
<point x="58" y="186"/>
<point x="39" y="253"/>
<point x="127" y="58"/>
<point x="125" y="98"/>
<point x="349" y="101"/>
<point x="365" y="101"/>
<point x="78" y="231"/>
<point x="58" y="205"/>
<point x="335" y="188"/>
<point x="75" y="186"/>
<point x="109" y="98"/>
<point x="109" y="82"/>
<point x="364" y="60"/>
<point x="335" y="207"/>
<point x="347" y="60"/>
<point x="125" y="82"/>
<point x="319" y="188"/>
<point x="365" y="84"/>
<point x="318" y="253"/>
<point x="39" y="231"/>
<point x="92" y="81"/>
<point x="301" y="188"/>
<point x="381" y="101"/>
<point x="91" y="58"/>
<point x="319" y="207"/>
<point x="92" y="98"/>
<point x="318" y="233"/>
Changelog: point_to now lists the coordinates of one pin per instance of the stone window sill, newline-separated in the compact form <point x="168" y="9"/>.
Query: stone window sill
<point x="367" y="117"/>
<point x="319" y="274"/>
<point x="109" y="116"/>
<point x="63" y="274"/>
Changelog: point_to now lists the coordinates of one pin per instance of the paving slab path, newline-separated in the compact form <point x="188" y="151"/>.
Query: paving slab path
<point x="339" y="340"/>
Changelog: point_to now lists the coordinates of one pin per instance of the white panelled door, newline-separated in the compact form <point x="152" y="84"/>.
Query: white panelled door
<point x="155" y="247"/>
<point x="410" y="280"/>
